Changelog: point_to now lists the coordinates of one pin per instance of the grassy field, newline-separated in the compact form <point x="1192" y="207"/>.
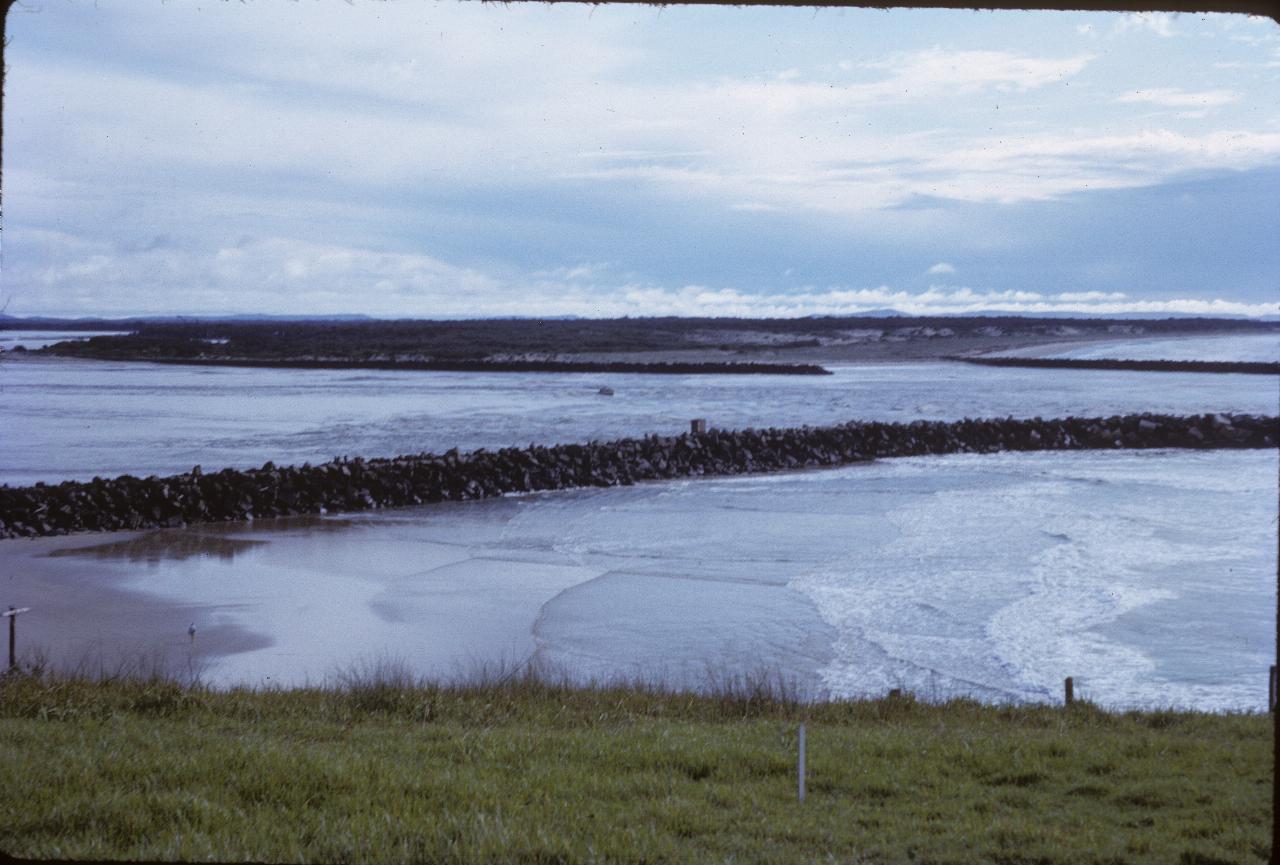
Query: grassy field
<point x="383" y="769"/>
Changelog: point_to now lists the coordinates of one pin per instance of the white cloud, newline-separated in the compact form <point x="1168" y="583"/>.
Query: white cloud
<point x="1172" y="97"/>
<point x="935" y="71"/>
<point x="1040" y="167"/>
<point x="1159" y="23"/>
<point x="576" y="273"/>
<point x="367" y="120"/>
<point x="1089" y="296"/>
<point x="777" y="142"/>
<point x="282" y="275"/>
<point x="941" y="267"/>
<point x="271" y="275"/>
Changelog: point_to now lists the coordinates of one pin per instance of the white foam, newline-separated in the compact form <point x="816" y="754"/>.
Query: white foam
<point x="1003" y="582"/>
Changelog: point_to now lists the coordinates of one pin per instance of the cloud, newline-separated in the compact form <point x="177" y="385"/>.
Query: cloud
<point x="283" y="275"/>
<point x="1045" y="166"/>
<point x="1089" y="296"/>
<point x="936" y="70"/>
<point x="782" y="142"/>
<point x="672" y="137"/>
<point x="584" y="271"/>
<point x="898" y="78"/>
<point x="941" y="267"/>
<point x="269" y="275"/>
<point x="1159" y="23"/>
<point x="1172" y="97"/>
<point x="444" y="134"/>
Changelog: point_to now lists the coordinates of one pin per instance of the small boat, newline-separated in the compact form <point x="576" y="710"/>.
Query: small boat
<point x="605" y="391"/>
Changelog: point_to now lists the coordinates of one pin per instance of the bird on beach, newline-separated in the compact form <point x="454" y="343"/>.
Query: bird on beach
<point x="191" y="631"/>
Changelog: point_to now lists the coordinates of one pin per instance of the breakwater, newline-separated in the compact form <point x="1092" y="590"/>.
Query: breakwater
<point x="354" y="484"/>
<point x="1247" y="367"/>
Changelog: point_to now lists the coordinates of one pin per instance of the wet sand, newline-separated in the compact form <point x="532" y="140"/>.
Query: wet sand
<point x="86" y="617"/>
<point x="281" y="595"/>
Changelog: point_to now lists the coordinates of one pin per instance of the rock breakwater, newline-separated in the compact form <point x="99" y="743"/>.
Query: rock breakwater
<point x="1219" y="366"/>
<point x="354" y="484"/>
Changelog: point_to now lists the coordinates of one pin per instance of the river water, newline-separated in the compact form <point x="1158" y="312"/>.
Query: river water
<point x="1148" y="576"/>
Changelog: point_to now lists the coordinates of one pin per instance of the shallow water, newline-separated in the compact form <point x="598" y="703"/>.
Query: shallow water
<point x="1149" y="576"/>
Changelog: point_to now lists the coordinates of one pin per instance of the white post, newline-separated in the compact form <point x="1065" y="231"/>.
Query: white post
<point x="801" y="767"/>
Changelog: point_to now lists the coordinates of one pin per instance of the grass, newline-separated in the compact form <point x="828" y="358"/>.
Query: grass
<point x="383" y="767"/>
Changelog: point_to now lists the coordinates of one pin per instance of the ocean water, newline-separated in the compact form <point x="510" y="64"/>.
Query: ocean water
<point x="1149" y="576"/>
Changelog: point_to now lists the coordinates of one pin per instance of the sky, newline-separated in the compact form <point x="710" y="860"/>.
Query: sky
<point x="443" y="160"/>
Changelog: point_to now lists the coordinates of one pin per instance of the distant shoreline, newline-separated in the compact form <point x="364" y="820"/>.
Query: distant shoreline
<point x="533" y="366"/>
<point x="657" y="345"/>
<point x="1218" y="366"/>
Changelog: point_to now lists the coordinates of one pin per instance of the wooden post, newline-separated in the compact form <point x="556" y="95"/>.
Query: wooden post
<point x="1271" y="690"/>
<point x="800" y="768"/>
<point x="12" y="615"/>
<point x="1071" y="690"/>
<point x="698" y="425"/>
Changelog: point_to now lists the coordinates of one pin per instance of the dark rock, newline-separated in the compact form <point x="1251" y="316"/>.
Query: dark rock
<point x="358" y="484"/>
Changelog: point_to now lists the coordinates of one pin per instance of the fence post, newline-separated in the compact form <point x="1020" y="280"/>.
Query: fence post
<point x="1070" y="687"/>
<point x="12" y="615"/>
<point x="698" y="425"/>
<point x="800" y="768"/>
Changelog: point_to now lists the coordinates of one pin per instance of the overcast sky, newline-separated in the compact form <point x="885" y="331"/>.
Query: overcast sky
<point x="444" y="159"/>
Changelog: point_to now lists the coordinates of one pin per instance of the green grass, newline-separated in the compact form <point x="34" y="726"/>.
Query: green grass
<point x="383" y="768"/>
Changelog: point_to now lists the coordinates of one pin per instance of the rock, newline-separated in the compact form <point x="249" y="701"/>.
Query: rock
<point x="357" y="484"/>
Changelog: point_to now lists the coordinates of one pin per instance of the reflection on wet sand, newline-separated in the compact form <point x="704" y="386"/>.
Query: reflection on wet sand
<point x="155" y="547"/>
<point x="309" y="523"/>
<point x="113" y="653"/>
<point x="213" y="540"/>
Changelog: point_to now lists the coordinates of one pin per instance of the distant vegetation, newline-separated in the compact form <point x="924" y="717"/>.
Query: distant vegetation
<point x="384" y="767"/>
<point x="486" y="365"/>
<point x="529" y="339"/>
